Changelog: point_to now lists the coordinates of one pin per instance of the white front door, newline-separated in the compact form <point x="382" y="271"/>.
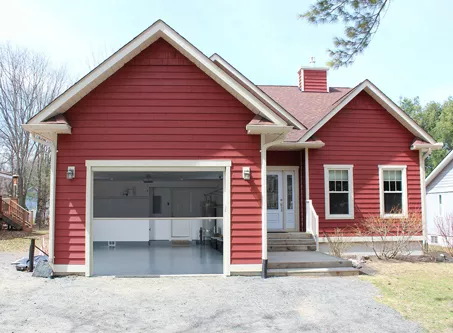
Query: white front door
<point x="281" y="200"/>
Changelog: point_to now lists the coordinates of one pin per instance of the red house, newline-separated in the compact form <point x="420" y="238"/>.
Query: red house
<point x="160" y="155"/>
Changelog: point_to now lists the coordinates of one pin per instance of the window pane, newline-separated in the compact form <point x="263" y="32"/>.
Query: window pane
<point x="157" y="204"/>
<point x="398" y="175"/>
<point x="339" y="203"/>
<point x="346" y="186"/>
<point x="393" y="203"/>
<point x="331" y="186"/>
<point x="399" y="186"/>
<point x="272" y="192"/>
<point x="331" y="175"/>
<point x="289" y="190"/>
<point x="386" y="186"/>
<point x="337" y="186"/>
<point x="392" y="186"/>
<point x="344" y="175"/>
<point x="386" y="175"/>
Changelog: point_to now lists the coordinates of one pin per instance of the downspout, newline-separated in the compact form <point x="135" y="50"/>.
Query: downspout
<point x="264" y="147"/>
<point x="423" y="158"/>
<point x="53" y="168"/>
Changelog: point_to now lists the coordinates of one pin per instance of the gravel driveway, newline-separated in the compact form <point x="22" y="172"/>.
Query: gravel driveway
<point x="211" y="304"/>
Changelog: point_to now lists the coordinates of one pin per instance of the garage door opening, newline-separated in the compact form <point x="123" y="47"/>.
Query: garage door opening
<point x="157" y="223"/>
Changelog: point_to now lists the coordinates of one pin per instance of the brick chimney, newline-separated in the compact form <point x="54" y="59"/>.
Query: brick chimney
<point x="313" y="79"/>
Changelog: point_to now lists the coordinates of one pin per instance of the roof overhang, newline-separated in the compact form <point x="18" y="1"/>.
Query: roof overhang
<point x="47" y="128"/>
<point x="384" y="101"/>
<point x="112" y="64"/>
<point x="298" y="145"/>
<point x="439" y="168"/>
<point x="268" y="129"/>
<point x="427" y="146"/>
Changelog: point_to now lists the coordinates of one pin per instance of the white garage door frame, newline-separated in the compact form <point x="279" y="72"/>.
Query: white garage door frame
<point x="155" y="166"/>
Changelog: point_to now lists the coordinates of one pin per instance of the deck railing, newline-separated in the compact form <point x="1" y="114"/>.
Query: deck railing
<point x="312" y="222"/>
<point x="15" y="212"/>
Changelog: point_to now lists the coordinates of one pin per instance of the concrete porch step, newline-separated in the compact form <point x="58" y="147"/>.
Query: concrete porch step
<point x="302" y="241"/>
<point x="283" y="248"/>
<point x="333" y="271"/>
<point x="289" y="235"/>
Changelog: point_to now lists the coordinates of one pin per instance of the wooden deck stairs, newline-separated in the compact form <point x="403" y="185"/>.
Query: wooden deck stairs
<point x="294" y="254"/>
<point x="13" y="216"/>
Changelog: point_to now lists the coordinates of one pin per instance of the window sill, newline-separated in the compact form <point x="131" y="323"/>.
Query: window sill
<point x="393" y="216"/>
<point x="339" y="217"/>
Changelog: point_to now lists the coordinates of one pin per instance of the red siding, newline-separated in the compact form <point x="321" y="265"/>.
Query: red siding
<point x="159" y="106"/>
<point x="366" y="135"/>
<point x="315" y="80"/>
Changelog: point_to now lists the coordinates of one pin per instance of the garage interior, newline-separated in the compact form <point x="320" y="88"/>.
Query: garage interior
<point x="157" y="223"/>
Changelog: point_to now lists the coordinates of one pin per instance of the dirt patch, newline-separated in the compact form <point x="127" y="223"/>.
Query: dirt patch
<point x="19" y="241"/>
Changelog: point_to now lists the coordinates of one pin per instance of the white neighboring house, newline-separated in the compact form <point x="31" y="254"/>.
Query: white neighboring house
<point x="439" y="202"/>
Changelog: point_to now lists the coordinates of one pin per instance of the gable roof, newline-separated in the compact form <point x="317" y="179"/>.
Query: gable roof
<point x="158" y="30"/>
<point x="439" y="168"/>
<point x="316" y="109"/>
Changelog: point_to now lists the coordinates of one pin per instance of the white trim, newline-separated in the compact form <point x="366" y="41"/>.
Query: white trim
<point x="391" y="107"/>
<point x="263" y="197"/>
<point x="239" y="268"/>
<point x="377" y="238"/>
<point x="267" y="129"/>
<point x="423" y="194"/>
<point x="172" y="165"/>
<point x="349" y="168"/>
<point x="307" y="176"/>
<point x="403" y="169"/>
<point x="298" y="145"/>
<point x="217" y="58"/>
<point x="158" y="30"/>
<point x="439" y="168"/>
<point x="227" y="221"/>
<point x="158" y="163"/>
<point x="69" y="268"/>
<point x="45" y="128"/>
<point x="420" y="146"/>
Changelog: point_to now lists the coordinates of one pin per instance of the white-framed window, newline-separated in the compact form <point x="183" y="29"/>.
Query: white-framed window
<point x="434" y="239"/>
<point x="441" y="213"/>
<point x="339" y="191"/>
<point x="393" y="190"/>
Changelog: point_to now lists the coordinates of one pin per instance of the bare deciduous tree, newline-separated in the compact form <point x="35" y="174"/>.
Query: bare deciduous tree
<point x="28" y="83"/>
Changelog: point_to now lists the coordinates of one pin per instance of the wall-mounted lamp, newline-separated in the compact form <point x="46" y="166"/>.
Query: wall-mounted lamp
<point x="246" y="173"/>
<point x="70" y="174"/>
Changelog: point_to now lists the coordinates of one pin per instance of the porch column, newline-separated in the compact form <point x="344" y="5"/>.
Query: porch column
<point x="263" y="206"/>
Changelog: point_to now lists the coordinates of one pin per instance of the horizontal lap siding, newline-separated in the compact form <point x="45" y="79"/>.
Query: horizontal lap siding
<point x="366" y="135"/>
<point x="315" y="80"/>
<point x="159" y="106"/>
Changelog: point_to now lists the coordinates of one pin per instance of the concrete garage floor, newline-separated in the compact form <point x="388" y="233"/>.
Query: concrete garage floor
<point x="158" y="258"/>
<point x="182" y="304"/>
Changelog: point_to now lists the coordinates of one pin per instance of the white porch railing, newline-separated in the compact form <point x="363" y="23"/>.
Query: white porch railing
<point x="312" y="222"/>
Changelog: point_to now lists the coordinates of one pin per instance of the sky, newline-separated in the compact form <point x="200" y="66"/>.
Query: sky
<point x="409" y="56"/>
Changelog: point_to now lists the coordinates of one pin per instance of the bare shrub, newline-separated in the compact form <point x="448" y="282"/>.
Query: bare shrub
<point x="390" y="237"/>
<point x="338" y="243"/>
<point x="444" y="225"/>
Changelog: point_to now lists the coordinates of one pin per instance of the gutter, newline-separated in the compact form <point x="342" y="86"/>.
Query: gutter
<point x="264" y="147"/>
<point x="53" y="167"/>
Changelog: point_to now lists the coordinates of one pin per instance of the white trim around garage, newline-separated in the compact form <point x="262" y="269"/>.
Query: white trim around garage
<point x="157" y="165"/>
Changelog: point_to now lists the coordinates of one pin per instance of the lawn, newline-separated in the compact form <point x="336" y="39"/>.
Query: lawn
<point x="17" y="241"/>
<point x="422" y="292"/>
